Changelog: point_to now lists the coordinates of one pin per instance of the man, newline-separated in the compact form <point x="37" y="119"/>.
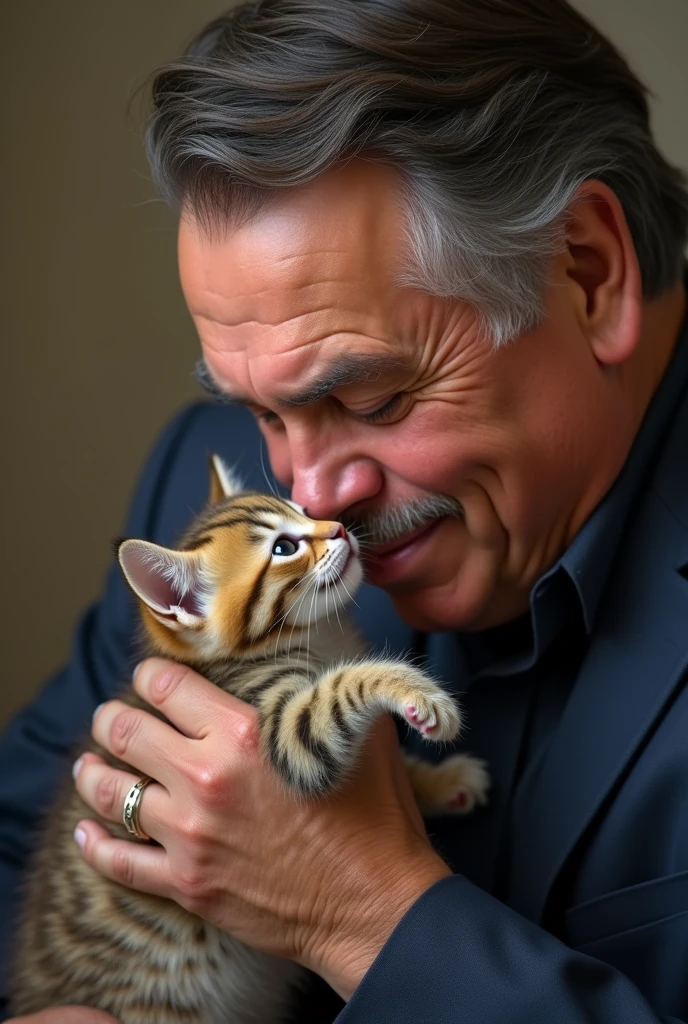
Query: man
<point x="432" y="247"/>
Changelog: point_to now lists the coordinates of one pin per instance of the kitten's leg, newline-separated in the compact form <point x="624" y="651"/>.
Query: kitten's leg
<point x="454" y="786"/>
<point x="312" y="734"/>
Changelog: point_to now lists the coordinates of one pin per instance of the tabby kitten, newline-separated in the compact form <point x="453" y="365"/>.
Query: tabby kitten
<point x="251" y="601"/>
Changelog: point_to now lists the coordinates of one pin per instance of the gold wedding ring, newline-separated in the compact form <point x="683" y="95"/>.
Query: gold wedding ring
<point x="132" y="808"/>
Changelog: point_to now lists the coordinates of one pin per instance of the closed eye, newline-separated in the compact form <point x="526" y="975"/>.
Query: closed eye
<point x="386" y="410"/>
<point x="389" y="409"/>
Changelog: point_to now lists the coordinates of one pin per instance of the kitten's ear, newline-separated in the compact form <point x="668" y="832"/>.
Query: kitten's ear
<point x="224" y="483"/>
<point x="170" y="582"/>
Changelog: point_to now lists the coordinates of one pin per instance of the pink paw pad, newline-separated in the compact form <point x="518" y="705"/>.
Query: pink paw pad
<point x="460" y="801"/>
<point x="419" y="720"/>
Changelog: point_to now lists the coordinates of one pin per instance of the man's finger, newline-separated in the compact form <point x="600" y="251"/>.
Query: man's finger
<point x="151" y="746"/>
<point x="189" y="701"/>
<point x="135" y="865"/>
<point x="104" y="789"/>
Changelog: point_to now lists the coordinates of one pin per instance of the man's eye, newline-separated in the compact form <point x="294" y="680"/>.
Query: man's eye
<point x="384" y="412"/>
<point x="267" y="418"/>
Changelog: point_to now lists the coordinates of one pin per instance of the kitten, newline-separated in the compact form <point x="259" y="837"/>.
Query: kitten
<point x="236" y="602"/>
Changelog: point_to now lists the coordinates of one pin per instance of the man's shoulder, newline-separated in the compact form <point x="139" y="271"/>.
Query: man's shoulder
<point x="670" y="479"/>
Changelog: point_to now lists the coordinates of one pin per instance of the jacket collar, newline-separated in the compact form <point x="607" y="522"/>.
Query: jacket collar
<point x="638" y="656"/>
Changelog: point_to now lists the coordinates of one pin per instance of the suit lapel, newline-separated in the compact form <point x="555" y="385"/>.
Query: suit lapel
<point x="638" y="656"/>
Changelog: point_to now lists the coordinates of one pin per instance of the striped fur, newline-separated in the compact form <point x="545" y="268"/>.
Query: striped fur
<point x="267" y="627"/>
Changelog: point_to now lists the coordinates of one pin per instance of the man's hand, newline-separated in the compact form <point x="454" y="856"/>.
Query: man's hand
<point x="321" y="881"/>
<point x="66" y="1015"/>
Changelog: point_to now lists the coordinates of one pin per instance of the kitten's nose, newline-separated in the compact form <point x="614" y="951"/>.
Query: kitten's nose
<point x="339" y="531"/>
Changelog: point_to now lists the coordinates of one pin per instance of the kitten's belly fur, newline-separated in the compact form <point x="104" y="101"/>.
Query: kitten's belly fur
<point x="86" y="940"/>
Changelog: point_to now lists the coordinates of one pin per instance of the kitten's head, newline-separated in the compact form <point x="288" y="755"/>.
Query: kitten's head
<point x="249" y="576"/>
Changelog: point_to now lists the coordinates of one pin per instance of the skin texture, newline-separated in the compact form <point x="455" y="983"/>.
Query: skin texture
<point x="513" y="435"/>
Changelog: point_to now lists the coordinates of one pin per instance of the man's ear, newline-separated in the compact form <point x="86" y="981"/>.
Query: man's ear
<point x="224" y="483"/>
<point x="169" y="582"/>
<point x="603" y="270"/>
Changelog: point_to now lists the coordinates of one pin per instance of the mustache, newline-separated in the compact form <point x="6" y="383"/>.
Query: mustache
<point x="383" y="525"/>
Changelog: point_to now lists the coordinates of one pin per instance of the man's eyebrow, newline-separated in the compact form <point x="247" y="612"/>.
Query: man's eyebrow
<point x="203" y="376"/>
<point x="347" y="370"/>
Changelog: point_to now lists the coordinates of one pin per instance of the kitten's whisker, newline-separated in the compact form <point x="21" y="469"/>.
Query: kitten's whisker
<point x="307" y="627"/>
<point x="304" y="579"/>
<point x="348" y="594"/>
<point x="303" y="598"/>
<point x="310" y="619"/>
<point x="296" y="611"/>
<point x="361" y="535"/>
<point x="270" y="483"/>
<point x="336" y="610"/>
<point x="281" y="621"/>
<point x="327" y="600"/>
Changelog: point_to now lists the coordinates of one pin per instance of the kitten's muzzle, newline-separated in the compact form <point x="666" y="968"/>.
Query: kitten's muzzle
<point x="340" y="559"/>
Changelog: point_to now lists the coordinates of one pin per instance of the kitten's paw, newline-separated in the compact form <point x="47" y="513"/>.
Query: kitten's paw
<point x="426" y="707"/>
<point x="423" y="718"/>
<point x="459" y="784"/>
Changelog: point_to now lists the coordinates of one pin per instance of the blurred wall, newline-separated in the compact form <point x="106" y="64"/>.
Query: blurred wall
<point x="96" y="346"/>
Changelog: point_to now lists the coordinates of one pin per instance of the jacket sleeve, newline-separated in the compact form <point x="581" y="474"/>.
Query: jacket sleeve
<point x="36" y="747"/>
<point x="459" y="955"/>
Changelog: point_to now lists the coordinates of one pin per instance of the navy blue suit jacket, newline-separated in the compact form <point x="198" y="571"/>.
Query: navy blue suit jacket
<point x="597" y="929"/>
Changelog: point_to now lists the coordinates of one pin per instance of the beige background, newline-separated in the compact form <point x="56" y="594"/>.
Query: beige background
<point x="96" y="345"/>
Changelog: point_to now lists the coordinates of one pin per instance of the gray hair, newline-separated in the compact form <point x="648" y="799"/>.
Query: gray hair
<point x="493" y="112"/>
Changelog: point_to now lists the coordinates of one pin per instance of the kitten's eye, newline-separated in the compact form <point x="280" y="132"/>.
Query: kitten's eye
<point x="284" y="546"/>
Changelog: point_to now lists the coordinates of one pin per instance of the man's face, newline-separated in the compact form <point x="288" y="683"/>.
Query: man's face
<point x="371" y="396"/>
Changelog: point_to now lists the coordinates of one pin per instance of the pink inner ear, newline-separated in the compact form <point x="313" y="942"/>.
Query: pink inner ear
<point x="156" y="584"/>
<point x="148" y="580"/>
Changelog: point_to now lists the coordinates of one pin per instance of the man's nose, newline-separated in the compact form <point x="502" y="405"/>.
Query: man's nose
<point x="325" y="491"/>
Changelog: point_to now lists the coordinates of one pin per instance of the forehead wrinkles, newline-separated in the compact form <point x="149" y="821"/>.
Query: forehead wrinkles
<point x="277" y="335"/>
<point x="281" y="266"/>
<point x="279" y="315"/>
<point x="266" y="342"/>
<point x="326" y="253"/>
<point x="308" y="372"/>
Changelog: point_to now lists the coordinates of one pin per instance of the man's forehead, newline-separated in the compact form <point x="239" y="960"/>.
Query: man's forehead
<point x="340" y="233"/>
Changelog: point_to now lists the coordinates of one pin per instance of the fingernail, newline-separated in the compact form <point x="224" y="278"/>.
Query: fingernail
<point x="136" y="668"/>
<point x="76" y="768"/>
<point x="97" y="710"/>
<point x="80" y="837"/>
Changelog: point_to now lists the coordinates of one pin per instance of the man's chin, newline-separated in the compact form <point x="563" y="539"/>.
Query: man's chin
<point x="459" y="594"/>
<point x="424" y="610"/>
<point x="461" y="605"/>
